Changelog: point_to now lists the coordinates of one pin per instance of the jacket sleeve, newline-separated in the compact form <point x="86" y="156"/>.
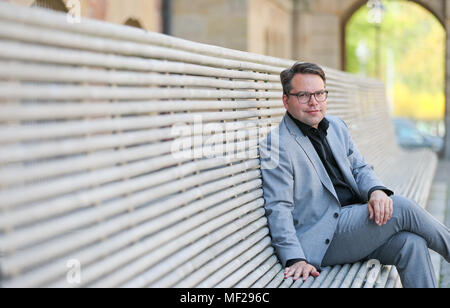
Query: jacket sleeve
<point x="278" y="187"/>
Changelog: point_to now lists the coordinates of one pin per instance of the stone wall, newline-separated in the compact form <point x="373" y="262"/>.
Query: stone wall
<point x="259" y="26"/>
<point x="270" y="27"/>
<point x="219" y="22"/>
<point x="147" y="12"/>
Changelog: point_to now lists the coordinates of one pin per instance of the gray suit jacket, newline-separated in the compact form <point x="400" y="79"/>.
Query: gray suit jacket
<point x="301" y="203"/>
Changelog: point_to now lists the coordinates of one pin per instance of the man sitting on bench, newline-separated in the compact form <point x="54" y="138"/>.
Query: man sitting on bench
<point x="326" y="206"/>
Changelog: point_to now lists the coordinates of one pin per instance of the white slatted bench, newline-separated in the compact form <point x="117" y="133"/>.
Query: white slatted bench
<point x="132" y="158"/>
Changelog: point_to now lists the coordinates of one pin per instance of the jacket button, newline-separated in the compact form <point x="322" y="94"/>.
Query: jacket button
<point x="336" y="215"/>
<point x="327" y="241"/>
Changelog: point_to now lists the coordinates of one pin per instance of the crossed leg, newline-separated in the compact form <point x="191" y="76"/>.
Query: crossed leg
<point x="402" y="241"/>
<point x="409" y="253"/>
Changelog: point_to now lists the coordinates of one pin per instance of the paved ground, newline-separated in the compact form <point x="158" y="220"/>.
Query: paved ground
<point x="442" y="184"/>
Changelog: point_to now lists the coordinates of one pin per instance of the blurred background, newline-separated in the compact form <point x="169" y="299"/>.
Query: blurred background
<point x="401" y="42"/>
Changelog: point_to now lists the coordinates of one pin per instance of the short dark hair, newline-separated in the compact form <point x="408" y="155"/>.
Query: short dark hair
<point x="299" y="68"/>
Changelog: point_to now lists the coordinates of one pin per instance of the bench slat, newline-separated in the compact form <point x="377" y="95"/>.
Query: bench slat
<point x="185" y="268"/>
<point x="199" y="276"/>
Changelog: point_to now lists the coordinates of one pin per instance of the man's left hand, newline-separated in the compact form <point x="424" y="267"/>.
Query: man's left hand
<point x="381" y="207"/>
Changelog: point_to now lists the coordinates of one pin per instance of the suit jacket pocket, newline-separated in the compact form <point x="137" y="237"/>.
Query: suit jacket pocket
<point x="350" y="158"/>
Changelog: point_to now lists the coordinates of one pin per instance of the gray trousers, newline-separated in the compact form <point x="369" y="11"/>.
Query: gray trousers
<point x="403" y="241"/>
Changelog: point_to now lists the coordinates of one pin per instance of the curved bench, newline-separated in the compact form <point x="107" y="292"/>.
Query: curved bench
<point x="130" y="158"/>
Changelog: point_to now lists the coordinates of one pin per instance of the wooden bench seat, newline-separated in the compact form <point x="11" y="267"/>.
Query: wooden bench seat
<point x="132" y="158"/>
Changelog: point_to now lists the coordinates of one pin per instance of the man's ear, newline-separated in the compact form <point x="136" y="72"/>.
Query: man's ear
<point x="285" y="101"/>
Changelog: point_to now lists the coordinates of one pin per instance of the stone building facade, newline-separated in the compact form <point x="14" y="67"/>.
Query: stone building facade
<point x="310" y="30"/>
<point x="145" y="13"/>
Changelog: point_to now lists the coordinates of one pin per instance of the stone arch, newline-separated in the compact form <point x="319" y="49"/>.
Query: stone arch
<point x="435" y="7"/>
<point x="133" y="22"/>
<point x="344" y="21"/>
<point x="56" y="5"/>
<point x="438" y="9"/>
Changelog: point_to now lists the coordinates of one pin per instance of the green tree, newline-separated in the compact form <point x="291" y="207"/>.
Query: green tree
<point x="416" y="40"/>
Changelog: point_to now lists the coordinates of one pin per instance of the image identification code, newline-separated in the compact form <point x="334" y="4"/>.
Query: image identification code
<point x="227" y="297"/>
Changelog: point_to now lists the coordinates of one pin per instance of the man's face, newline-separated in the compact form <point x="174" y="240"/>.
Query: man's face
<point x="313" y="112"/>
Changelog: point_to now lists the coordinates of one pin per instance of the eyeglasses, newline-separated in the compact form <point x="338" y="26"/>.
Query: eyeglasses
<point x="305" y="97"/>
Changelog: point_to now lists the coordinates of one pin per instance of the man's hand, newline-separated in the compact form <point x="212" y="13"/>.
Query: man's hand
<point x="300" y="269"/>
<point x="381" y="207"/>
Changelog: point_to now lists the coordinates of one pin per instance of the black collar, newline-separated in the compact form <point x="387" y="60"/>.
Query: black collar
<point x="309" y="130"/>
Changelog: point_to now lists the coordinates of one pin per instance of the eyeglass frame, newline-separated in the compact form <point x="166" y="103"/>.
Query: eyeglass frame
<point x="309" y="96"/>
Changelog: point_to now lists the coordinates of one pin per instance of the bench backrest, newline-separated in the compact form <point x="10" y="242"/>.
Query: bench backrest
<point x="131" y="157"/>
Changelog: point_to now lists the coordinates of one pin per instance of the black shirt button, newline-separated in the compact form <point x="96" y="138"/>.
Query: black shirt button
<point x="327" y="241"/>
<point x="336" y="215"/>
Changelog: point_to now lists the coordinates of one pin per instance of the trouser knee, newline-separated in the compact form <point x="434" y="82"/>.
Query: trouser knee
<point x="403" y="202"/>
<point x="403" y="206"/>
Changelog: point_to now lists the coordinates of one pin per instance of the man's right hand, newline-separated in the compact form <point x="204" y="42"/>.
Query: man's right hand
<point x="300" y="269"/>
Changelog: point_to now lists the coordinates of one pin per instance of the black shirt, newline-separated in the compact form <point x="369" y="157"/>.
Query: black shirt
<point x="344" y="191"/>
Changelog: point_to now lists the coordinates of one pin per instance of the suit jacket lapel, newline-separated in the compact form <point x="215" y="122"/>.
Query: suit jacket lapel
<point x="310" y="151"/>
<point x="340" y="156"/>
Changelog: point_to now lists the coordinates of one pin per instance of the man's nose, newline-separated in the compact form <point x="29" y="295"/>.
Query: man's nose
<point x="312" y="100"/>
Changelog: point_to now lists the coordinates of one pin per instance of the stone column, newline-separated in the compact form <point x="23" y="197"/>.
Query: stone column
<point x="317" y="33"/>
<point x="220" y="22"/>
